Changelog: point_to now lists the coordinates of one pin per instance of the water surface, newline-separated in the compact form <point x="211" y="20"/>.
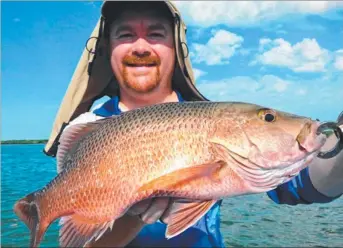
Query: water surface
<point x="247" y="221"/>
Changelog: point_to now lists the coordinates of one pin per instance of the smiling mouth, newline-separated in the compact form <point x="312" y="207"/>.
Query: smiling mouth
<point x="141" y="64"/>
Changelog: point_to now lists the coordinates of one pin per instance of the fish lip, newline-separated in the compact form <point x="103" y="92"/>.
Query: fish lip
<point x="301" y="152"/>
<point x="263" y="176"/>
<point x="259" y="177"/>
<point x="297" y="169"/>
<point x="282" y="163"/>
<point x="312" y="135"/>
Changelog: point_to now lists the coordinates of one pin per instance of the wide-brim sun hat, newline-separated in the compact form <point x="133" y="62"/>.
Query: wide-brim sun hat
<point x="93" y="77"/>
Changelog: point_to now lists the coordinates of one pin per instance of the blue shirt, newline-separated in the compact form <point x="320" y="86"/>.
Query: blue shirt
<point x="206" y="232"/>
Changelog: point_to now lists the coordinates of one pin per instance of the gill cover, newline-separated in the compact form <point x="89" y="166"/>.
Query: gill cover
<point x="93" y="77"/>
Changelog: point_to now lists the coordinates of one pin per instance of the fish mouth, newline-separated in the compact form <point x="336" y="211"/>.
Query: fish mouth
<point x="308" y="142"/>
<point x="311" y="137"/>
<point x="265" y="173"/>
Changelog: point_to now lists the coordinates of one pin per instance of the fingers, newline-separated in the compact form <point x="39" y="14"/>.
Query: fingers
<point x="156" y="209"/>
<point x="165" y="216"/>
<point x="140" y="207"/>
<point x="151" y="210"/>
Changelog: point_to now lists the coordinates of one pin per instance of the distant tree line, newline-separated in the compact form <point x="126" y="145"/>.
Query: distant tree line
<point x="44" y="141"/>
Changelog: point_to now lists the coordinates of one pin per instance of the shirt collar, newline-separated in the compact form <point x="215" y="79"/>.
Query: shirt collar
<point x="118" y="110"/>
<point x="111" y="107"/>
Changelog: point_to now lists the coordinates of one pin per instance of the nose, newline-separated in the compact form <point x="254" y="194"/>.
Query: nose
<point x="141" y="48"/>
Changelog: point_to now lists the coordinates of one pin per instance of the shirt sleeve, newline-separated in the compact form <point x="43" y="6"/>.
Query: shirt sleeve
<point x="84" y="118"/>
<point x="299" y="190"/>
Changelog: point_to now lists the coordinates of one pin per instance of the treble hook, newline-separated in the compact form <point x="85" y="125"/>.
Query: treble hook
<point x="334" y="126"/>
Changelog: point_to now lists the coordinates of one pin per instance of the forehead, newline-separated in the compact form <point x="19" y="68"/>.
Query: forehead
<point x="132" y="17"/>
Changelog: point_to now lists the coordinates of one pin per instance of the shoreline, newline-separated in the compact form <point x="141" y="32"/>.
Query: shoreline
<point x="23" y="142"/>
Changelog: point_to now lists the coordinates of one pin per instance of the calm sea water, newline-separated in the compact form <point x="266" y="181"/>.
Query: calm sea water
<point x="248" y="221"/>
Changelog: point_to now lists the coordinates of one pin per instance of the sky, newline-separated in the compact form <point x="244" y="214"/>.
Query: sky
<point x="285" y="55"/>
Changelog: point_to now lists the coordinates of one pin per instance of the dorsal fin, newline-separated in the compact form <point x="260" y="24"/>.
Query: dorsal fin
<point x="70" y="136"/>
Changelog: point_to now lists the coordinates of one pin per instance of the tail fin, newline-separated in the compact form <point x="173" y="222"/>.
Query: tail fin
<point x="27" y="210"/>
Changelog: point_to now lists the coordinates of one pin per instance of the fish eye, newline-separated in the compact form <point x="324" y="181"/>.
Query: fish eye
<point x="267" y="115"/>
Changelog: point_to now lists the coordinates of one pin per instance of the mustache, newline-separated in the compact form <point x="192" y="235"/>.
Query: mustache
<point x="141" y="61"/>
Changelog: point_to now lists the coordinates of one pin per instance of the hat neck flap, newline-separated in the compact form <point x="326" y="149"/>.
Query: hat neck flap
<point x="93" y="77"/>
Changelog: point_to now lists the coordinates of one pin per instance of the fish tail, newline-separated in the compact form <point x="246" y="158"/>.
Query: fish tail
<point x="27" y="210"/>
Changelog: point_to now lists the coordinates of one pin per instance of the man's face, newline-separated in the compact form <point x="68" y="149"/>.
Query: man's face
<point x="142" y="51"/>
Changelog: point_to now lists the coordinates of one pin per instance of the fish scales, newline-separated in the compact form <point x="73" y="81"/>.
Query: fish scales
<point x="141" y="144"/>
<point x="198" y="150"/>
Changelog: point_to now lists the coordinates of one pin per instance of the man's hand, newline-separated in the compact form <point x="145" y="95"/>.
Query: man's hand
<point x="152" y="210"/>
<point x="145" y="212"/>
<point x="327" y="174"/>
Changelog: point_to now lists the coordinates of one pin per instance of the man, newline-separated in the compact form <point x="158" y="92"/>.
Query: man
<point x="143" y="57"/>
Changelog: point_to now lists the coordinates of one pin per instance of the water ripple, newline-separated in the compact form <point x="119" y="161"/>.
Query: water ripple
<point x="247" y="221"/>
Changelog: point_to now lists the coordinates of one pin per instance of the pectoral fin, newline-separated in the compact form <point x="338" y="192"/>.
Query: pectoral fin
<point x="185" y="216"/>
<point x="187" y="178"/>
<point x="201" y="182"/>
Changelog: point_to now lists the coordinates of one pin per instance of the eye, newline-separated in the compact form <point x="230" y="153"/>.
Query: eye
<point x="267" y="115"/>
<point x="124" y="36"/>
<point x="156" y="35"/>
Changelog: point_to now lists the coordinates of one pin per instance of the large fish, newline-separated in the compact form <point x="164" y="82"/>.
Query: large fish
<point x="203" y="151"/>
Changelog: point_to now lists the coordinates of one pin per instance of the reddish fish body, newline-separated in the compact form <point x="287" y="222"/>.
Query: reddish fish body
<point x="203" y="151"/>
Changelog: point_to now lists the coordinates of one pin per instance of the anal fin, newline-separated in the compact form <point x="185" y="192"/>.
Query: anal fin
<point x="124" y="230"/>
<point x="186" y="215"/>
<point x="76" y="231"/>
